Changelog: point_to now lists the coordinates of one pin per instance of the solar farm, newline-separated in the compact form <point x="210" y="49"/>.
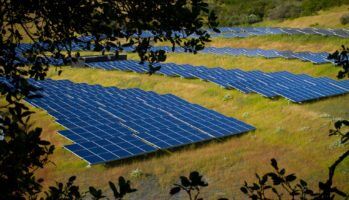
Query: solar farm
<point x="223" y="111"/>
<point x="129" y="122"/>
<point x="296" y="88"/>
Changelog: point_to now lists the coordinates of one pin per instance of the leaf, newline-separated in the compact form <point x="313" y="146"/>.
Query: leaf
<point x="290" y="178"/>
<point x="264" y="179"/>
<point x="244" y="190"/>
<point x="338" y="124"/>
<point x="303" y="183"/>
<point x="274" y="164"/>
<point x="195" y="178"/>
<point x="175" y="190"/>
<point x="255" y="186"/>
<point x="185" y="181"/>
<point x="282" y="171"/>
<point x="72" y="178"/>
<point x="113" y="188"/>
<point x="93" y="191"/>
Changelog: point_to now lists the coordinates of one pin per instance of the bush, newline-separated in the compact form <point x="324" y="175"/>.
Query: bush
<point x="251" y="19"/>
<point x="285" y="11"/>
<point x="345" y="19"/>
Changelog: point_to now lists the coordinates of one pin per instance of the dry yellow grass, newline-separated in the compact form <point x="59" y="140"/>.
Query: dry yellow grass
<point x="325" y="18"/>
<point x="294" y="134"/>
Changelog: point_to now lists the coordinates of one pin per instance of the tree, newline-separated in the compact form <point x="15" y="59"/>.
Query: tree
<point x="341" y="59"/>
<point x="53" y="27"/>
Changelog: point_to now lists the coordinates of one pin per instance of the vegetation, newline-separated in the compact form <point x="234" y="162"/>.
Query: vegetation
<point x="345" y="19"/>
<point x="27" y="151"/>
<point x="284" y="184"/>
<point x="191" y="185"/>
<point x="235" y="12"/>
<point x="313" y="43"/>
<point x="326" y="18"/>
<point x="111" y="24"/>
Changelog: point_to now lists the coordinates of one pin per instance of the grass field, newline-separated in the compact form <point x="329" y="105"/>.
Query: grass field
<point x="313" y="43"/>
<point x="326" y="18"/>
<point x="294" y="134"/>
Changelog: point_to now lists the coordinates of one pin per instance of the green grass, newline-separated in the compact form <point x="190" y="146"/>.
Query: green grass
<point x="314" y="43"/>
<point x="294" y="134"/>
<point x="247" y="63"/>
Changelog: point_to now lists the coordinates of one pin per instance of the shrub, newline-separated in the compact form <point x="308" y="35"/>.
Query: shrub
<point x="345" y="19"/>
<point x="251" y="19"/>
<point x="285" y="11"/>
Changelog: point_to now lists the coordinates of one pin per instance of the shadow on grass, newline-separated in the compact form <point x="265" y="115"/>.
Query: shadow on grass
<point x="165" y="152"/>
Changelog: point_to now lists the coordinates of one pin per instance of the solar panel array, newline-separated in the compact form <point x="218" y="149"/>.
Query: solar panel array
<point x="295" y="87"/>
<point x="316" y="58"/>
<point x="242" y="32"/>
<point x="108" y="124"/>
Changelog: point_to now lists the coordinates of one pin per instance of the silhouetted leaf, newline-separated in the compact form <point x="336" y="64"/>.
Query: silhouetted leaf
<point x="244" y="190"/>
<point x="290" y="178"/>
<point x="175" y="190"/>
<point x="184" y="181"/>
<point x="274" y="164"/>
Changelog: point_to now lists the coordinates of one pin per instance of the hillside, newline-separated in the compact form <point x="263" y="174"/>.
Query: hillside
<point x="234" y="12"/>
<point x="329" y="18"/>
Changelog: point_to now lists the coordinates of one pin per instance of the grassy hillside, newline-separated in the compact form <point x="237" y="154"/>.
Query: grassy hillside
<point x="236" y="12"/>
<point x="314" y="43"/>
<point x="325" y="18"/>
<point x="294" y="134"/>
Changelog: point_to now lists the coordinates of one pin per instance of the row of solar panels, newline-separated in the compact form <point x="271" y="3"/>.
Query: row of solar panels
<point x="231" y="32"/>
<point x="316" y="58"/>
<point x="295" y="87"/>
<point x="243" y="32"/>
<point x="108" y="124"/>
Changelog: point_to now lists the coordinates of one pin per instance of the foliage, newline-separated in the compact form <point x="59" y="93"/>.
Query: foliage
<point x="310" y="7"/>
<point x="22" y="153"/>
<point x="53" y="27"/>
<point x="341" y="59"/>
<point x="285" y="11"/>
<point x="251" y="19"/>
<point x="191" y="185"/>
<point x="236" y="12"/>
<point x="69" y="191"/>
<point x="285" y="186"/>
<point x="345" y="19"/>
<point x="279" y="184"/>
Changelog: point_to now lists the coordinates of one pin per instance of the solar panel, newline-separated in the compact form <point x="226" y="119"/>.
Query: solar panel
<point x="316" y="58"/>
<point x="269" y="85"/>
<point x="114" y="148"/>
<point x="107" y="123"/>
